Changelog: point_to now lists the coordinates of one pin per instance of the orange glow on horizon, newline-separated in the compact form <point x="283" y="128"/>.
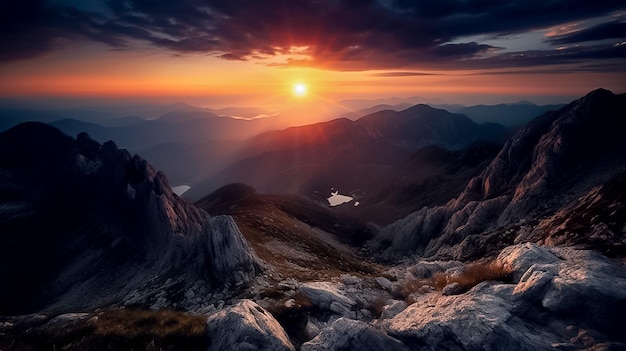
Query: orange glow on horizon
<point x="79" y="73"/>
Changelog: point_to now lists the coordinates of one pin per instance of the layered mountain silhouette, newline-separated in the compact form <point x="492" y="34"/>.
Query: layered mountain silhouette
<point x="508" y="115"/>
<point x="342" y="153"/>
<point x="550" y="164"/>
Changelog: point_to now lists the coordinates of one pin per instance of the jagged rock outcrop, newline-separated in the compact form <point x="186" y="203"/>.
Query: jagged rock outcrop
<point x="347" y="334"/>
<point x="246" y="326"/>
<point x="548" y="164"/>
<point x="89" y="224"/>
<point x="232" y="260"/>
<point x="560" y="297"/>
<point x="594" y="221"/>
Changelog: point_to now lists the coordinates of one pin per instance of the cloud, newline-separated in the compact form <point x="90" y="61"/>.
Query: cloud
<point x="333" y="34"/>
<point x="401" y="74"/>
<point x="609" y="30"/>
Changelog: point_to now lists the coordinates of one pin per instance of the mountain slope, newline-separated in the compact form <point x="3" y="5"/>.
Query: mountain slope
<point x="556" y="159"/>
<point x="299" y="238"/>
<point x="85" y="224"/>
<point x="430" y="177"/>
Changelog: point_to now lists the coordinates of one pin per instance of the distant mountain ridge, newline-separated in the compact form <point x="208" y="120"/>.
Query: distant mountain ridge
<point x="191" y="143"/>
<point x="285" y="161"/>
<point x="508" y="115"/>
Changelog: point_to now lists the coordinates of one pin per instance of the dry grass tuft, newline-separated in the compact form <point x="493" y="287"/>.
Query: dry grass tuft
<point x="472" y="275"/>
<point x="116" y="330"/>
<point x="169" y="326"/>
<point x="376" y="307"/>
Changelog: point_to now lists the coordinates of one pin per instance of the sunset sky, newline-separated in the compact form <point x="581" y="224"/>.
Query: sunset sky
<point x="236" y="52"/>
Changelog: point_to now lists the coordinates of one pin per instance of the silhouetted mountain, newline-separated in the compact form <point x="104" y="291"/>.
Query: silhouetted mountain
<point x="344" y="154"/>
<point x="376" y="108"/>
<point x="359" y="104"/>
<point x="85" y="224"/>
<point x="422" y="125"/>
<point x="547" y="165"/>
<point x="508" y="115"/>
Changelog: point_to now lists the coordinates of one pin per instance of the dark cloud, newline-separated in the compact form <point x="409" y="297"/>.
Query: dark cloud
<point x="335" y="34"/>
<point x="572" y="55"/>
<point x="610" y="30"/>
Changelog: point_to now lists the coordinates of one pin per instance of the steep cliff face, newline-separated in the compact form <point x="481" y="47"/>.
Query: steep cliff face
<point x="84" y="223"/>
<point x="553" y="161"/>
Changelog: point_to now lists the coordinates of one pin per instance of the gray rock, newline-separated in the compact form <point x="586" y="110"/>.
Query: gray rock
<point x="63" y="320"/>
<point x="327" y="297"/>
<point x="246" y="326"/>
<point x="384" y="283"/>
<point x="464" y="322"/>
<point x="232" y="260"/>
<point x="521" y="257"/>
<point x="451" y="289"/>
<point x="559" y="289"/>
<point x="347" y="334"/>
<point x="393" y="308"/>
<point x="311" y="330"/>
<point x="350" y="279"/>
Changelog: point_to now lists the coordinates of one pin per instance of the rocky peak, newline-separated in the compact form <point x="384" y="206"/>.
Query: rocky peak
<point x="555" y="159"/>
<point x="84" y="213"/>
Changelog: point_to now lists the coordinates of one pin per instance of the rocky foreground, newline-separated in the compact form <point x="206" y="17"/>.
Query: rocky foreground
<point x="549" y="298"/>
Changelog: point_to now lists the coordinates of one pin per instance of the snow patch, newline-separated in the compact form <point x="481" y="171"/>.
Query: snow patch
<point x="337" y="199"/>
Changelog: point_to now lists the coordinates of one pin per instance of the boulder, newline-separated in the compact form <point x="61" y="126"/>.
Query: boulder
<point x="327" y="297"/>
<point x="347" y="334"/>
<point x="473" y="321"/>
<point x="565" y="298"/>
<point x="246" y="326"/>
<point x="392" y="309"/>
<point x="384" y="283"/>
<point x="521" y="257"/>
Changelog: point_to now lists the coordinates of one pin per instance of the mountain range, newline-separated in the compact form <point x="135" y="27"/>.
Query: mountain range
<point x="312" y="159"/>
<point x="465" y="237"/>
<point x="191" y="144"/>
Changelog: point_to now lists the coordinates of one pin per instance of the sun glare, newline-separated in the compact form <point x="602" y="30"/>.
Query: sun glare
<point x="299" y="89"/>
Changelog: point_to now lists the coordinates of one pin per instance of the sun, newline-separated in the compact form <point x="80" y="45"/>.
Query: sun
<point x="299" y="89"/>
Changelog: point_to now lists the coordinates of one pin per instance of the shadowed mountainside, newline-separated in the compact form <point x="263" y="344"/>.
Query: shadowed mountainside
<point x="546" y="166"/>
<point x="84" y="224"/>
